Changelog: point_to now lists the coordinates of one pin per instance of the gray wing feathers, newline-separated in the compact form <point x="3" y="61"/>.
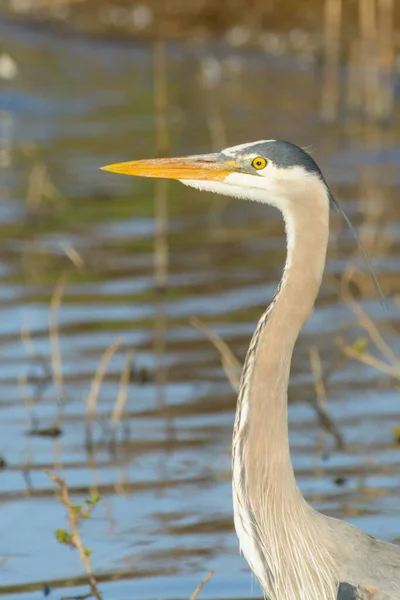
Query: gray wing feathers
<point x="347" y="591"/>
<point x="350" y="592"/>
<point x="369" y="567"/>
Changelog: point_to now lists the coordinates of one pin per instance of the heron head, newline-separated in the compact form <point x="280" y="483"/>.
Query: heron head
<point x="270" y="171"/>
<point x="273" y="172"/>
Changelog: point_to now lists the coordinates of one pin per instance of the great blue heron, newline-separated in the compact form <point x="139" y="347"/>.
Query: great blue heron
<point x="295" y="552"/>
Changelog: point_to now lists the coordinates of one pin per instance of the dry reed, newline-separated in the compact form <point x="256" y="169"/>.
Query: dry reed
<point x="40" y="188"/>
<point x="34" y="355"/>
<point x="56" y="359"/>
<point x="161" y="255"/>
<point x="201" y="585"/>
<point x="391" y="365"/>
<point x="122" y="393"/>
<point x="316" y="368"/>
<point x="332" y="50"/>
<point x="370" y="59"/>
<point x="74" y="256"/>
<point x="319" y="400"/>
<point x="232" y="368"/>
<point x="364" y="320"/>
<point x="28" y="400"/>
<point x="230" y="363"/>
<point x="36" y="185"/>
<point x="162" y="148"/>
<point x="91" y="400"/>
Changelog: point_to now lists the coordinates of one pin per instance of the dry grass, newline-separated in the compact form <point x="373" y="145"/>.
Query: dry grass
<point x="370" y="55"/>
<point x="56" y="359"/>
<point x="232" y="368"/>
<point x="32" y="387"/>
<point x="390" y="362"/>
<point x="3" y="560"/>
<point x="40" y="189"/>
<point x="332" y="49"/>
<point x="162" y="149"/>
<point x="74" y="256"/>
<point x="53" y="370"/>
<point x="35" y="357"/>
<point x="161" y="250"/>
<point x="122" y="393"/>
<point x="316" y="368"/>
<point x="91" y="400"/>
<point x="231" y="365"/>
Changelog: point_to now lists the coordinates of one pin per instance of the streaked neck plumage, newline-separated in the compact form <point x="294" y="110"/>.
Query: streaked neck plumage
<point x="279" y="532"/>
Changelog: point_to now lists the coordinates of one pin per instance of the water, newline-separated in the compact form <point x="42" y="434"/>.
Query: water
<point x="165" y="518"/>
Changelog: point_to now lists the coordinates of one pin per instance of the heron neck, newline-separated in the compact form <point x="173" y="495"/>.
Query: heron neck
<point x="268" y="451"/>
<point x="287" y="544"/>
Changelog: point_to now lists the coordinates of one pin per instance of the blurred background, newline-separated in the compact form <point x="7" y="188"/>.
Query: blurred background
<point x="126" y="305"/>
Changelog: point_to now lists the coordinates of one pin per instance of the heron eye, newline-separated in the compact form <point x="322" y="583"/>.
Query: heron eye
<point x="259" y="163"/>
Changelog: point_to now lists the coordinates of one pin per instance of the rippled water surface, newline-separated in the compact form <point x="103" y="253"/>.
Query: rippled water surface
<point x="165" y="518"/>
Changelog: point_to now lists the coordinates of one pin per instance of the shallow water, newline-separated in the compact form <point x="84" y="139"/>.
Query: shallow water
<point x="165" y="518"/>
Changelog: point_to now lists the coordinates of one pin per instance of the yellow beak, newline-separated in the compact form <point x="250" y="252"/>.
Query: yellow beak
<point x="203" y="166"/>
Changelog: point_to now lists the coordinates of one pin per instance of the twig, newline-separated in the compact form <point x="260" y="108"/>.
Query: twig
<point x="76" y="541"/>
<point x="201" y="585"/>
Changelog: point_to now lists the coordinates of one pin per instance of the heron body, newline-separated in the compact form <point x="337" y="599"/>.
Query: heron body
<point x="295" y="552"/>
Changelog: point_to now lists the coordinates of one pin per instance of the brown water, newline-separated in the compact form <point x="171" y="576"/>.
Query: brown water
<point x="165" y="518"/>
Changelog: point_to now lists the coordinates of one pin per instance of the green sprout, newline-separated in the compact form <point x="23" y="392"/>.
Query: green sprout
<point x="72" y="537"/>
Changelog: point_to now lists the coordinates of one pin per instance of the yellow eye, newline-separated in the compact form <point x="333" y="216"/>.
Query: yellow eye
<point x="259" y="163"/>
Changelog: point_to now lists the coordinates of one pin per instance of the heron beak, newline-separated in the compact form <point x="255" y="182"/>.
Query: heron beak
<point x="214" y="167"/>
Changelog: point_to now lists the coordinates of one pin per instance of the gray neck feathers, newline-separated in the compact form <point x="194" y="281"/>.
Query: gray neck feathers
<point x="278" y="531"/>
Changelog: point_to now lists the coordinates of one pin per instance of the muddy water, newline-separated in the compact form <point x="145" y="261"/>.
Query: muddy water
<point x="165" y="518"/>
